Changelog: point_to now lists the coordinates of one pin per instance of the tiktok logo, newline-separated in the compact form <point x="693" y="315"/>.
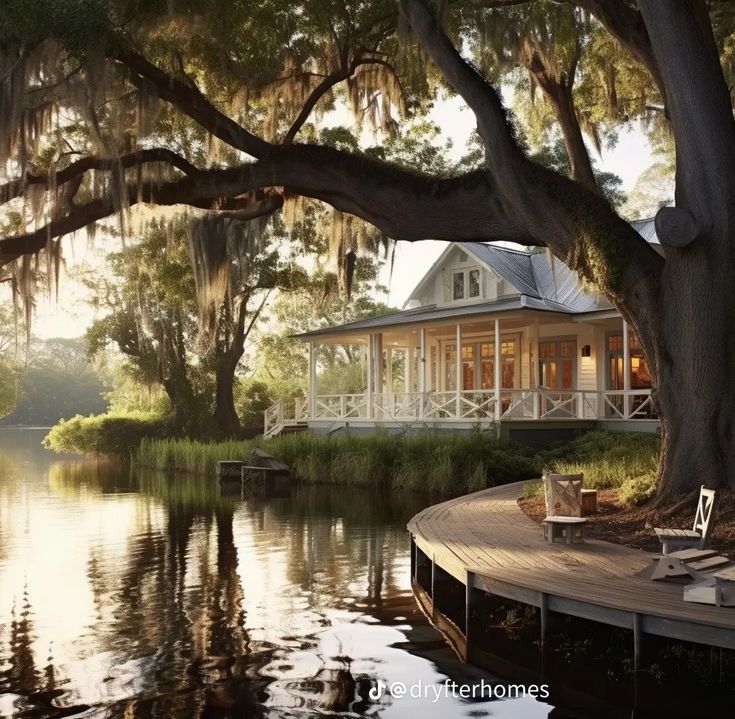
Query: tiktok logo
<point x="376" y="692"/>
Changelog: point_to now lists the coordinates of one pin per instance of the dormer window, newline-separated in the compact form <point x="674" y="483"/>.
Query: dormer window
<point x="474" y="288"/>
<point x="458" y="285"/>
<point x="466" y="284"/>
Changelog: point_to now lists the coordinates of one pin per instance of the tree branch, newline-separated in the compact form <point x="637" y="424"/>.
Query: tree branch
<point x="626" y="25"/>
<point x="403" y="204"/>
<point x="503" y="152"/>
<point x="75" y="170"/>
<point x="699" y="105"/>
<point x="189" y="100"/>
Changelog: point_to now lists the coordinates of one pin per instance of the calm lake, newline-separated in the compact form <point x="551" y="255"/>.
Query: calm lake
<point x="137" y="595"/>
<point x="125" y="595"/>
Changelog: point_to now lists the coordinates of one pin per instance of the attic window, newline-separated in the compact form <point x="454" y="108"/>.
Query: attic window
<point x="458" y="285"/>
<point x="466" y="284"/>
<point x="474" y="276"/>
<point x="462" y="256"/>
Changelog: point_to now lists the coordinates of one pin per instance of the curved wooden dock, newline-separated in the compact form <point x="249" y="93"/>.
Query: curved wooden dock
<point x="486" y="542"/>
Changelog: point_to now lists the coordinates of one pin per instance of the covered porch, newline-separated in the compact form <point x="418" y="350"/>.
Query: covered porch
<point x="522" y="365"/>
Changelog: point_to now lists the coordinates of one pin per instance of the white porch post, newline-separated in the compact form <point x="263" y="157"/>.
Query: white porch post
<point x="370" y="377"/>
<point x="312" y="380"/>
<point x="389" y="370"/>
<point x="458" y="372"/>
<point x="408" y="379"/>
<point x="498" y="373"/>
<point x="422" y="370"/>
<point x="535" y="365"/>
<point x="626" y="370"/>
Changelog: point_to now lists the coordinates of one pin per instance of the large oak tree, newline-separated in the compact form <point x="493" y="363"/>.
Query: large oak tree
<point x="141" y="90"/>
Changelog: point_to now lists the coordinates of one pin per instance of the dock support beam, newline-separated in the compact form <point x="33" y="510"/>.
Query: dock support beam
<point x="544" y="616"/>
<point x="637" y="641"/>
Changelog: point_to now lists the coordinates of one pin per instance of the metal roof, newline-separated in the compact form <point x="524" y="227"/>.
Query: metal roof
<point x="544" y="283"/>
<point x="646" y="229"/>
<point x="432" y="312"/>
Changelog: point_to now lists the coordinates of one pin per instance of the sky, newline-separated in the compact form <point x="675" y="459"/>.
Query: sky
<point x="71" y="315"/>
<point x="630" y="157"/>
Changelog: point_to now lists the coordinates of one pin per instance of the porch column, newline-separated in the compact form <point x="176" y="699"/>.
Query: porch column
<point x="312" y="380"/>
<point x="498" y="373"/>
<point x="535" y="365"/>
<point x="410" y="370"/>
<point x="626" y="369"/>
<point x="422" y="370"/>
<point x="388" y="370"/>
<point x="370" y="377"/>
<point x="458" y="372"/>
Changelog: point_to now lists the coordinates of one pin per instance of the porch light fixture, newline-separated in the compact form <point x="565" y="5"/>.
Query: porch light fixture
<point x="586" y="351"/>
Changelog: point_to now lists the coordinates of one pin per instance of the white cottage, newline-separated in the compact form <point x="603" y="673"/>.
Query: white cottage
<point x="490" y="337"/>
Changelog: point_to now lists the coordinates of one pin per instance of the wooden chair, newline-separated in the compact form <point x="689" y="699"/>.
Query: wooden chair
<point x="699" y="534"/>
<point x="563" y="494"/>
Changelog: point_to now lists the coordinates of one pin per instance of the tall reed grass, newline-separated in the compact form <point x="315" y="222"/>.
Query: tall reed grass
<point x="438" y="463"/>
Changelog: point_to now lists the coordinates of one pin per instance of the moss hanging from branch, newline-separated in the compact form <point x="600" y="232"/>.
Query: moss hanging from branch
<point x="222" y="250"/>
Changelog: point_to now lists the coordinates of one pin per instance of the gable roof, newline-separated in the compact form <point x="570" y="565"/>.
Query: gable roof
<point x="543" y="282"/>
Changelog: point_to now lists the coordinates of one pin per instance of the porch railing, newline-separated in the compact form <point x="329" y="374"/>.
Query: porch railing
<point x="282" y="413"/>
<point x="468" y="405"/>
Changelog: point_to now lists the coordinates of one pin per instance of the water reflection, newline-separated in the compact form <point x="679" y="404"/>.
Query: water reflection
<point x="127" y="595"/>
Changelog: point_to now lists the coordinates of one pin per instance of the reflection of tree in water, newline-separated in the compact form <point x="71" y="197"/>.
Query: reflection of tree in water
<point x="21" y="675"/>
<point x="174" y="609"/>
<point x="337" y="539"/>
<point x="169" y="601"/>
<point x="342" y="551"/>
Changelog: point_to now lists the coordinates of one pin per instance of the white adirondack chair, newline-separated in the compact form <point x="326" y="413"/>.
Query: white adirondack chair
<point x="699" y="534"/>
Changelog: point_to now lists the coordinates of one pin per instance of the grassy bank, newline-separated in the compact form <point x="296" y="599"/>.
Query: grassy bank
<point x="627" y="461"/>
<point x="439" y="463"/>
<point x="429" y="462"/>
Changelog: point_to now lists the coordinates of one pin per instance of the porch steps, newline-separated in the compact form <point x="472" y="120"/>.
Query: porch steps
<point x="290" y="428"/>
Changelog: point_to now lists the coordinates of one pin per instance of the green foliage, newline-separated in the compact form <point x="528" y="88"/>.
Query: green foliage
<point x="653" y="189"/>
<point x="56" y="381"/>
<point x="252" y="399"/>
<point x="439" y="463"/>
<point x="638" y="490"/>
<point x="610" y="460"/>
<point x="105" y="434"/>
<point x="8" y="388"/>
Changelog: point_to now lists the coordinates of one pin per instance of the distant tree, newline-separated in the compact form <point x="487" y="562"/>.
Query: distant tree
<point x="653" y="190"/>
<point x="56" y="382"/>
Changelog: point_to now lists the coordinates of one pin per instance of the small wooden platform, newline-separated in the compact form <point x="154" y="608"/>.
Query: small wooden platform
<point x="485" y="541"/>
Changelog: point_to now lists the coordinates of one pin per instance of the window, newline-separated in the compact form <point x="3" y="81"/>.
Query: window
<point x="640" y="376"/>
<point x="557" y="364"/>
<point x="466" y="284"/>
<point x="474" y="283"/>
<point x="459" y="285"/>
<point x="478" y="365"/>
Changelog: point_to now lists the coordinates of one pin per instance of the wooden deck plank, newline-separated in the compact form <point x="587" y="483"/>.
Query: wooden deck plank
<point x="488" y="534"/>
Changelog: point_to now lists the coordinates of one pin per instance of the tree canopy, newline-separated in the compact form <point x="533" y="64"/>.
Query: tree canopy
<point x="215" y="104"/>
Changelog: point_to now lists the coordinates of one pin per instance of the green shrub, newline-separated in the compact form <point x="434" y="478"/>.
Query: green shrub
<point x="607" y="459"/>
<point x="637" y="490"/>
<point x="104" y="433"/>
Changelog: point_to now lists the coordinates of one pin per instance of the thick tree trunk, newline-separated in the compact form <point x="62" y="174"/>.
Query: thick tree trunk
<point x="691" y="349"/>
<point x="225" y="415"/>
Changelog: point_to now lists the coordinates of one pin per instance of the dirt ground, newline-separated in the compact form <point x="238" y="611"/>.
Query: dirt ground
<point x="633" y="526"/>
